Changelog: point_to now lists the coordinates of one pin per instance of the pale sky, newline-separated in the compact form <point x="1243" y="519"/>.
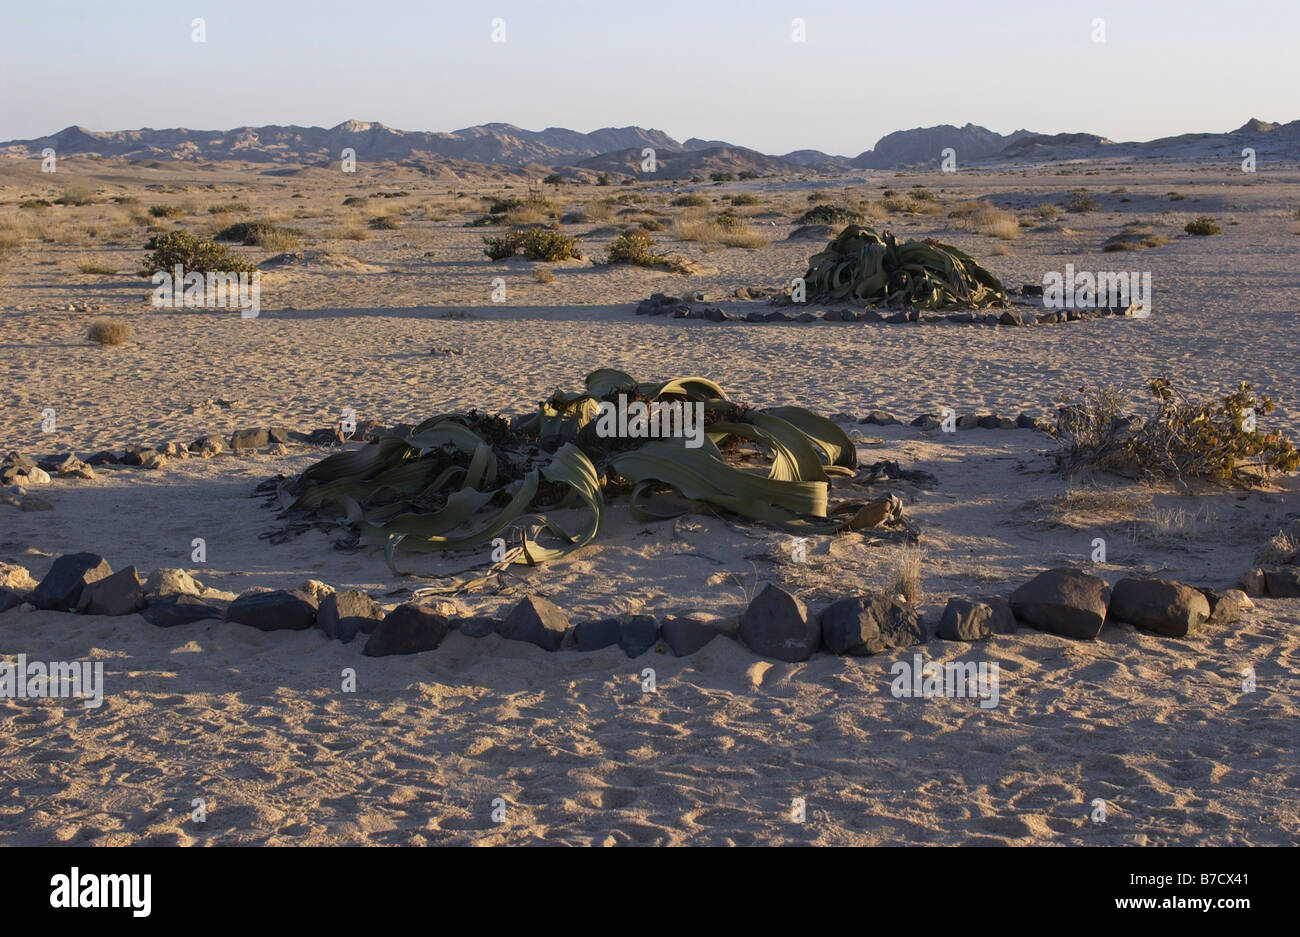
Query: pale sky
<point x="718" y="70"/>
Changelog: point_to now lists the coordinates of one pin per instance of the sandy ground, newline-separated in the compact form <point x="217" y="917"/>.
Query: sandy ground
<point x="258" y="726"/>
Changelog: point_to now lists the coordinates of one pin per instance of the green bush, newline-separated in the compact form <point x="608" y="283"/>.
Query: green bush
<point x="543" y="244"/>
<point x="635" y="248"/>
<point x="747" y="174"/>
<point x="554" y="179"/>
<point x="603" y="179"/>
<point x="385" y="223"/>
<point x="1217" y="440"/>
<point x="1202" y="226"/>
<point x="689" y="201"/>
<point x="744" y="198"/>
<point x="194" y="254"/>
<point x="166" y="211"/>
<point x="75" y="195"/>
<point x="828" y="214"/>
<point x="1081" y="202"/>
<point x="259" y="234"/>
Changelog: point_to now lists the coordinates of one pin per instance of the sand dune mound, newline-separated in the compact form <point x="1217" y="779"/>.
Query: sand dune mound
<point x="328" y="260"/>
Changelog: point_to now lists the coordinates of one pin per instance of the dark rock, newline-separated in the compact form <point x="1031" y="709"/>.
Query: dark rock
<point x="962" y="317"/>
<point x="1063" y="601"/>
<point x="137" y="455"/>
<point x="478" y="626"/>
<point x="1227" y="606"/>
<point x="277" y="610"/>
<point x="278" y="434"/>
<point x="969" y="421"/>
<point x="11" y="598"/>
<point x="1283" y="581"/>
<point x="637" y="634"/>
<point x="871" y="315"/>
<point x="594" y="635"/>
<point x="897" y="318"/>
<point x="714" y="314"/>
<point x="168" y="611"/>
<point x="254" y="438"/>
<point x="756" y="317"/>
<point x="881" y="418"/>
<point x="805" y="317"/>
<point x="342" y="615"/>
<point x="1049" y="318"/>
<point x="407" y="629"/>
<point x="990" y="318"/>
<point x="776" y="625"/>
<point x="685" y="634"/>
<point x="1010" y="317"/>
<point x="1031" y="289"/>
<point x="60" y="590"/>
<point x="102" y="458"/>
<point x="1025" y="421"/>
<point x="118" y="594"/>
<point x="835" y="315"/>
<point x="1168" y="608"/>
<point x="964" y="620"/>
<point x="210" y="443"/>
<point x="869" y="624"/>
<point x="538" y="621"/>
<point x="1003" y="620"/>
<point x="777" y="316"/>
<point x="326" y="436"/>
<point x="14" y="466"/>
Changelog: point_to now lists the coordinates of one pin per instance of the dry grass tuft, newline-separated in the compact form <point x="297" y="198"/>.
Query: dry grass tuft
<point x="108" y="332"/>
<point x="905" y="573"/>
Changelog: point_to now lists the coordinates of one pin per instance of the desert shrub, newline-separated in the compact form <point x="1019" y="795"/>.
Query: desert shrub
<point x="385" y="223"/>
<point x="259" y="234"/>
<point x="828" y="214"/>
<point x="696" y="228"/>
<point x="1202" y="226"/>
<point x="108" y="332"/>
<point x="554" y="179"/>
<point x="165" y="211"/>
<point x="744" y="198"/>
<point x="635" y="248"/>
<point x="905" y="574"/>
<point x="631" y="198"/>
<point x="542" y="275"/>
<point x="818" y="197"/>
<point x="747" y="174"/>
<point x="354" y="200"/>
<point x="727" y="220"/>
<point x="603" y="179"/>
<point x="227" y="208"/>
<point x="742" y="235"/>
<point x="93" y="267"/>
<point x="983" y="218"/>
<point x="76" y="195"/>
<point x="1081" y="202"/>
<point x="1177" y="197"/>
<point x="35" y="203"/>
<point x="722" y="176"/>
<point x="1218" y="440"/>
<point x="194" y="254"/>
<point x="689" y="201"/>
<point x="1046" y="211"/>
<point x="910" y="204"/>
<point x="1134" y="236"/>
<point x="545" y="244"/>
<point x="126" y="200"/>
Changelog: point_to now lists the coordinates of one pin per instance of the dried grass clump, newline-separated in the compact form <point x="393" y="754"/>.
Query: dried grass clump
<point x="108" y="332"/>
<point x="905" y="573"/>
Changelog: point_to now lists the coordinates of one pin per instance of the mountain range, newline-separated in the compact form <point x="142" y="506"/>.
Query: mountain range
<point x="620" y="149"/>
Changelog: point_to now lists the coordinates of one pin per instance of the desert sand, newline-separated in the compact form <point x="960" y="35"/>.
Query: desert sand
<point x="256" y="723"/>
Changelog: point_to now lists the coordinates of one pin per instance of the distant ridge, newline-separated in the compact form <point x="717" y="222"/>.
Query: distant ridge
<point x="619" y="149"/>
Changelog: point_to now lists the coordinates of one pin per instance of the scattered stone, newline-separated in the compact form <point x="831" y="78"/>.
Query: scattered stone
<point x="277" y="434"/>
<point x="777" y="316"/>
<point x="1010" y="317"/>
<point x="597" y="634"/>
<point x="870" y="315"/>
<point x="538" y="621"/>
<point x="868" y="624"/>
<point x="1283" y="581"/>
<point x="16" y="578"/>
<point x="156" y="461"/>
<point x="254" y="438"/>
<point x="805" y="317"/>
<point x="776" y="625"/>
<point x="1254" y="582"/>
<point x="341" y="615"/>
<point x="277" y="610"/>
<point x="208" y="446"/>
<point x="102" y="458"/>
<point x="168" y="611"/>
<point x="1063" y="601"/>
<point x="927" y="421"/>
<point x="315" y="590"/>
<point x="10" y="598"/>
<point x="16" y="468"/>
<point x="118" y="594"/>
<point x="1227" y="606"/>
<point x="278" y="449"/>
<point x="1025" y="421"/>
<point x="811" y="232"/>
<point x="61" y="588"/>
<point x="171" y="581"/>
<point x="1031" y="289"/>
<point x="686" y="634"/>
<point x="756" y="317"/>
<point x="969" y="421"/>
<point x="1168" y="608"/>
<point x="477" y="626"/>
<point x="407" y="629"/>
<point x="996" y="422"/>
<point x="1003" y="620"/>
<point x="138" y="455"/>
<point x="880" y="418"/>
<point x="965" y="620"/>
<point x="898" y="317"/>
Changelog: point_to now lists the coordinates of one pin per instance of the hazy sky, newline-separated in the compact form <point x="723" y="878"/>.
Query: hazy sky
<point x="718" y="70"/>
